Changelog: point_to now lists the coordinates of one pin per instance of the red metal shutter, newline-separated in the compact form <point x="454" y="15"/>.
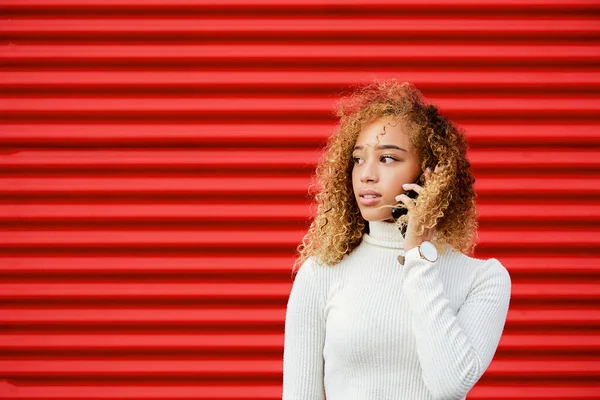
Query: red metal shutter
<point x="155" y="164"/>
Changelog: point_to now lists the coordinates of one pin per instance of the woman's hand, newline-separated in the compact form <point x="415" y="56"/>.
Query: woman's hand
<point x="410" y="239"/>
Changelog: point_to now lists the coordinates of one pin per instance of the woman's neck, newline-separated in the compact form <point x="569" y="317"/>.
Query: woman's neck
<point x="384" y="234"/>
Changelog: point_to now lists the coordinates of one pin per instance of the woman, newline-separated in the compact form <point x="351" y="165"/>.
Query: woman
<point x="383" y="308"/>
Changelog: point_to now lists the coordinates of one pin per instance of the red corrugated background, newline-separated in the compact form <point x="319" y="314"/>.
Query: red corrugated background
<point x="155" y="163"/>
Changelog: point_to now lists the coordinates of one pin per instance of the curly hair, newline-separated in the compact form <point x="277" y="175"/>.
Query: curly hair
<point x="447" y="201"/>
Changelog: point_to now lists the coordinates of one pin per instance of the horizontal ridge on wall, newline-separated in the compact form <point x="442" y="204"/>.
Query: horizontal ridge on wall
<point x="328" y="8"/>
<point x="156" y="174"/>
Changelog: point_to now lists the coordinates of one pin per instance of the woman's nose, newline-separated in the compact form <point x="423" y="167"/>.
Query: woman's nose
<point x="368" y="173"/>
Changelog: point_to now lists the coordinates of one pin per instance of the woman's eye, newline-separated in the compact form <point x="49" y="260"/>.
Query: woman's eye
<point x="357" y="159"/>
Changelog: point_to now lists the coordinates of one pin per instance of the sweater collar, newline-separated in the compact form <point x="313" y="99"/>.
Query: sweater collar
<point x="384" y="234"/>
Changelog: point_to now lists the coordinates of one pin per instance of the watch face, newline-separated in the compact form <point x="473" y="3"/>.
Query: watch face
<point x="429" y="251"/>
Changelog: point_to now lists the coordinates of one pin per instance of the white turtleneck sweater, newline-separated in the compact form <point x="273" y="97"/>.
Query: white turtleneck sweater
<point x="370" y="328"/>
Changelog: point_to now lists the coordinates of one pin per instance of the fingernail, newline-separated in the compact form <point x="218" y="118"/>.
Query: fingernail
<point x="428" y="169"/>
<point x="405" y="185"/>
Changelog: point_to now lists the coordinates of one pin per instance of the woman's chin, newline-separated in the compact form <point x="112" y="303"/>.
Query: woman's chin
<point x="379" y="215"/>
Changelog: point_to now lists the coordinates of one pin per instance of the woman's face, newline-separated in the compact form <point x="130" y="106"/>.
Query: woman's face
<point x="382" y="169"/>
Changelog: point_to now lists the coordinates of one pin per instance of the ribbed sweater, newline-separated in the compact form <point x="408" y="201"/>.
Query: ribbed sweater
<point x="370" y="328"/>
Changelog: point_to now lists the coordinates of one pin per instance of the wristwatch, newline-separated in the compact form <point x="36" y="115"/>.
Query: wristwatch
<point x="425" y="251"/>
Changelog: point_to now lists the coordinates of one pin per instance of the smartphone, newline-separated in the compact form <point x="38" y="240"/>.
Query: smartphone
<point x="398" y="212"/>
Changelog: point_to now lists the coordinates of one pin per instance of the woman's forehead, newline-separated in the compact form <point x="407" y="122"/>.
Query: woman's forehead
<point x="382" y="131"/>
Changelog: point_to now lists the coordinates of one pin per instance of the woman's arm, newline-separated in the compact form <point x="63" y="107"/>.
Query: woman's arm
<point x="455" y="349"/>
<point x="304" y="338"/>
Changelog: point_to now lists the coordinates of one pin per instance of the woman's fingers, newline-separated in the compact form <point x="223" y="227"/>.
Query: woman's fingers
<point x="412" y="186"/>
<point x="406" y="200"/>
<point x="428" y="172"/>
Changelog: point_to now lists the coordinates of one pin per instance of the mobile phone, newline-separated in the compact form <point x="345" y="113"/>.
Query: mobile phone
<point x="397" y="212"/>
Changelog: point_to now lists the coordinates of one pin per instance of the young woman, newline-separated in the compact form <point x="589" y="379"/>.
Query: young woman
<point x="386" y="308"/>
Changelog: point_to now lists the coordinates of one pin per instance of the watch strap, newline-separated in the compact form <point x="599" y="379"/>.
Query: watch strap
<point x="413" y="254"/>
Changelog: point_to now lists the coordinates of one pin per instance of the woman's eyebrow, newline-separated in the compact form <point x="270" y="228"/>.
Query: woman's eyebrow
<point x="382" y="147"/>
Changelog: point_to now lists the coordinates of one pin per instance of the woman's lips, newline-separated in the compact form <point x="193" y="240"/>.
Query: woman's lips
<point x="366" y="201"/>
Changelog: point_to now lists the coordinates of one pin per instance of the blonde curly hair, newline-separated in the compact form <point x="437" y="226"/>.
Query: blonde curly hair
<point x="447" y="201"/>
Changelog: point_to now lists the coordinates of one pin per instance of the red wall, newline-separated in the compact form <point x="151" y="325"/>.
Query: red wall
<point x="155" y="163"/>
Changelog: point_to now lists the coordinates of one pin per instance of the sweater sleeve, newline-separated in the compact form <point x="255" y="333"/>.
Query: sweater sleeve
<point x="304" y="338"/>
<point x="455" y="348"/>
